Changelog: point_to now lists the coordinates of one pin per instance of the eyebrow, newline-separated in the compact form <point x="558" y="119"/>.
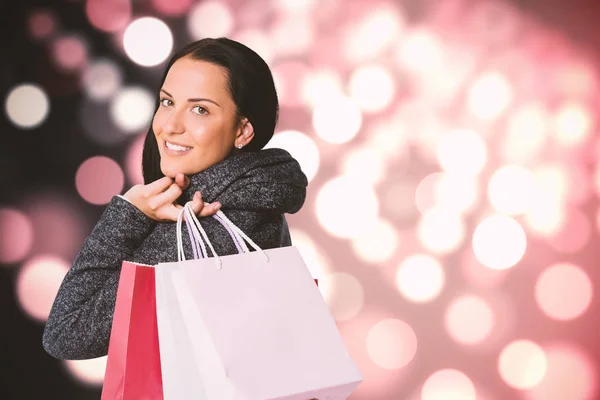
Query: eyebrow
<point x="194" y="100"/>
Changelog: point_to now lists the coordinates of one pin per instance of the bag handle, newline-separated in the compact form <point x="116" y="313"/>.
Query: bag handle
<point x="188" y="214"/>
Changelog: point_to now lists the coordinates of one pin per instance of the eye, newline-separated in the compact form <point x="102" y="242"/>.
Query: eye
<point x="166" y="102"/>
<point x="200" y="110"/>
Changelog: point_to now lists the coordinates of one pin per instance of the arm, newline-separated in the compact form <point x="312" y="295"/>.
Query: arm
<point x="81" y="317"/>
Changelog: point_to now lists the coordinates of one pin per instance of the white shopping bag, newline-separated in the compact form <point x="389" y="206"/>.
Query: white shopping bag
<point x="249" y="326"/>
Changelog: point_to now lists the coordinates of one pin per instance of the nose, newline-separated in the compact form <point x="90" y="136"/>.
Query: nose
<point x="173" y="124"/>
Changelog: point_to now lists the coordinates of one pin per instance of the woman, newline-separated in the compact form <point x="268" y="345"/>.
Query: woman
<point x="216" y="110"/>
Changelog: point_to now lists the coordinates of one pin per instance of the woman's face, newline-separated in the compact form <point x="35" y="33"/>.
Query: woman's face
<point x="196" y="124"/>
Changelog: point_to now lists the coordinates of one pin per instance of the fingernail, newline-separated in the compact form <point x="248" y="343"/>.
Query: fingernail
<point x="197" y="196"/>
<point x="217" y="206"/>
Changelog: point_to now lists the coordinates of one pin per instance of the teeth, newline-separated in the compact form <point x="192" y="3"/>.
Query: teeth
<point x="176" y="147"/>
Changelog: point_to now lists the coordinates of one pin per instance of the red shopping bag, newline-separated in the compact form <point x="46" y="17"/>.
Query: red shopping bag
<point x="133" y="365"/>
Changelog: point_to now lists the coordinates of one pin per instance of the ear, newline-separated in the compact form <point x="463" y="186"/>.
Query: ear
<point x="245" y="133"/>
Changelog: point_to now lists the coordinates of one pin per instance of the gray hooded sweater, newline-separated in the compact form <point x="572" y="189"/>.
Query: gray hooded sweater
<point x="255" y="190"/>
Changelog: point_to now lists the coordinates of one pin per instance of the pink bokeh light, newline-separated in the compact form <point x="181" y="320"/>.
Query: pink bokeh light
<point x="378" y="383"/>
<point x="37" y="284"/>
<point x="570" y="374"/>
<point x="70" y="53"/>
<point x="16" y="235"/>
<point x="98" y="179"/>
<point x="60" y="226"/>
<point x="42" y="24"/>
<point x="564" y="291"/>
<point x="172" y="8"/>
<point x="108" y="15"/>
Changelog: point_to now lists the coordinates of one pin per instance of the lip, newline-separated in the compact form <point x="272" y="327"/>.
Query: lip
<point x="174" y="152"/>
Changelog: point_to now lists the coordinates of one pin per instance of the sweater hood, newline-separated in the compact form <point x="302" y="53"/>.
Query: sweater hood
<point x="265" y="180"/>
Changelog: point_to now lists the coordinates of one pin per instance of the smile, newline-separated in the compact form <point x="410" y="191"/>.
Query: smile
<point x="175" y="148"/>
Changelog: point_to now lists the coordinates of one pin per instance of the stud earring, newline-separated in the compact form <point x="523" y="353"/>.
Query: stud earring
<point x="239" y="146"/>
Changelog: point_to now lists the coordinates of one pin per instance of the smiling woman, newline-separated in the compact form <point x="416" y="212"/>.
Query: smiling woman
<point x="216" y="109"/>
<point x="196" y="123"/>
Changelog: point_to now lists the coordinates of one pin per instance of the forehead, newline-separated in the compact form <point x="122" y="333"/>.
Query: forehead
<point x="194" y="78"/>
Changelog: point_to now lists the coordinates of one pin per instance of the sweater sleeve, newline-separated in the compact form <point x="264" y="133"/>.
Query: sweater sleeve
<point x="80" y="320"/>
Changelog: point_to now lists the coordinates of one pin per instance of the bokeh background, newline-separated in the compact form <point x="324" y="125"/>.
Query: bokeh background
<point x="451" y="148"/>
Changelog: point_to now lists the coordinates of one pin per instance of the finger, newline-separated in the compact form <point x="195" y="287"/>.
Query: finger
<point x="171" y="212"/>
<point x="165" y="198"/>
<point x="182" y="180"/>
<point x="210" y="209"/>
<point x="197" y="203"/>
<point x="158" y="186"/>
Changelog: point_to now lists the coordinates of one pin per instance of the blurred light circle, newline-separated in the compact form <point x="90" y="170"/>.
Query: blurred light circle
<point x="420" y="278"/>
<point x="70" y="53"/>
<point x="172" y="8"/>
<point x="98" y="179"/>
<point x="210" y="19"/>
<point x="420" y="52"/>
<point x="391" y="344"/>
<point x="469" y="319"/>
<point x="108" y="15"/>
<point x="452" y="148"/>
<point x="373" y="34"/>
<point x="133" y="161"/>
<point x="526" y="134"/>
<point x="334" y="208"/>
<point x="52" y="210"/>
<point x="391" y="140"/>
<point x="343" y="294"/>
<point x="364" y="163"/>
<point x="89" y="371"/>
<point x="38" y="283"/>
<point x="41" y="24"/>
<point x="27" y="105"/>
<point x="522" y="364"/>
<point x="372" y="87"/>
<point x="457" y="193"/>
<point x="295" y="5"/>
<point x="563" y="291"/>
<point x="377" y="244"/>
<point x="499" y="242"/>
<point x="301" y="147"/>
<point x="570" y="374"/>
<point x="293" y="33"/>
<point x="338" y="121"/>
<point x="510" y="189"/>
<point x="448" y="384"/>
<point x="572" y="124"/>
<point x="441" y="231"/>
<point x="132" y="108"/>
<point x="426" y="192"/>
<point x="546" y="215"/>
<point x="314" y="257"/>
<point x="101" y="80"/>
<point x="552" y="181"/>
<point x="16" y="235"/>
<point x="148" y="41"/>
<point x="490" y="96"/>
<point x="573" y="234"/>
<point x="321" y="86"/>
<point x="258" y="41"/>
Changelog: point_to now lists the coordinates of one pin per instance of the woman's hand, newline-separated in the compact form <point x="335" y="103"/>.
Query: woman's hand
<point x="157" y="199"/>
